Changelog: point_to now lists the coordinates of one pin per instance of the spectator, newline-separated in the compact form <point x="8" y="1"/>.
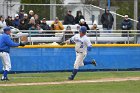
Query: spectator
<point x="69" y="19"/>
<point x="44" y="25"/>
<point x="31" y="22"/>
<point x="33" y="30"/>
<point x="38" y="27"/>
<point x="78" y="17"/>
<point x="37" y="21"/>
<point x="9" y="21"/>
<point x="68" y="28"/>
<point x="22" y="25"/>
<point x="126" y="25"/>
<point x="94" y="27"/>
<point x="33" y="27"/>
<point x="138" y="28"/>
<point x="57" y="25"/>
<point x="21" y="14"/>
<point x="95" y="30"/>
<point x="83" y="23"/>
<point x="26" y="19"/>
<point x="16" y="21"/>
<point x="31" y="14"/>
<point x="107" y="20"/>
<point x="68" y="32"/>
<point x="2" y="23"/>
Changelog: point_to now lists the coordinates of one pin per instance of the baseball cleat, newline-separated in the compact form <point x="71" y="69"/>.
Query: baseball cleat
<point x="94" y="62"/>
<point x="4" y="79"/>
<point x="70" y="78"/>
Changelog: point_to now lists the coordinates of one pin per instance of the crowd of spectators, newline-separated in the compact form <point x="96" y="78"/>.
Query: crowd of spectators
<point x="24" y="21"/>
<point x="31" y="21"/>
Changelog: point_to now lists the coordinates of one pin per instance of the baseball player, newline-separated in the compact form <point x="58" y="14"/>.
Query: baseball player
<point x="5" y="44"/>
<point x="83" y="45"/>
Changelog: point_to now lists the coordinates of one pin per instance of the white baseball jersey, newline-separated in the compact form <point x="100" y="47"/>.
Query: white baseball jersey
<point x="81" y="49"/>
<point x="81" y="43"/>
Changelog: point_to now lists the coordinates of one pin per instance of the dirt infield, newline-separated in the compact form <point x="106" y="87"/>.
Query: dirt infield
<point x="75" y="82"/>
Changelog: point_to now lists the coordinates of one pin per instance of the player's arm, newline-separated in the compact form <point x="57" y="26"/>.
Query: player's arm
<point x="89" y="45"/>
<point x="11" y="43"/>
<point x="69" y="41"/>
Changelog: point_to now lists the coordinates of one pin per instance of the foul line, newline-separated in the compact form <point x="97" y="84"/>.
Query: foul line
<point x="75" y="82"/>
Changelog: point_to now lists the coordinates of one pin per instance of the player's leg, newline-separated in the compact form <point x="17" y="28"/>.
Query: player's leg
<point x="78" y="61"/>
<point x="85" y="62"/>
<point x="6" y="65"/>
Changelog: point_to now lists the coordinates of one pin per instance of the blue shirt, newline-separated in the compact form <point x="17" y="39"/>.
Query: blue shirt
<point x="6" y="43"/>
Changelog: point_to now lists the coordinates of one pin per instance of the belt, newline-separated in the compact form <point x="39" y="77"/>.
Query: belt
<point x="3" y="51"/>
<point x="78" y="52"/>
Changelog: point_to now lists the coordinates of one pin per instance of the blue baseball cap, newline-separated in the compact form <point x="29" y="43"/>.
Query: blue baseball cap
<point x="83" y="29"/>
<point x="6" y="29"/>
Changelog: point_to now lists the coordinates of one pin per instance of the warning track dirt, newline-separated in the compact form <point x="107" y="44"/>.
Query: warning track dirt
<point x="75" y="82"/>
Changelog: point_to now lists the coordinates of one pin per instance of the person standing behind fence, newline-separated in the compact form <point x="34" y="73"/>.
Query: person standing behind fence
<point x="69" y="19"/>
<point x="138" y="28"/>
<point x="126" y="25"/>
<point x="107" y="20"/>
<point x="78" y="17"/>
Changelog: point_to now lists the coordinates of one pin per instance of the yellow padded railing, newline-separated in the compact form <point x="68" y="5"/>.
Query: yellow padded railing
<point x="71" y="46"/>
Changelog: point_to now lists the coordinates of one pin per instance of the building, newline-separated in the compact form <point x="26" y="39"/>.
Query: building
<point x="9" y="7"/>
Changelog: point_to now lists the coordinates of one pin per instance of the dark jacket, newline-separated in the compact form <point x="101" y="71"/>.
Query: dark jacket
<point x="126" y="25"/>
<point x="86" y="25"/>
<point x="26" y="21"/>
<point x="8" y="22"/>
<point x="23" y="26"/>
<point x="107" y="20"/>
<point x="69" y="19"/>
<point x="77" y="19"/>
<point x="37" y="21"/>
<point x="44" y="26"/>
<point x="16" y="23"/>
<point x="21" y="16"/>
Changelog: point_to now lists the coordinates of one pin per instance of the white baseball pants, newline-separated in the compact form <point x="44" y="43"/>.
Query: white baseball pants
<point x="5" y="61"/>
<point x="79" y="60"/>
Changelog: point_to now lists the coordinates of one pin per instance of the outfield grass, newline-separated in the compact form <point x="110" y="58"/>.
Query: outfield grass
<point x="110" y="87"/>
<point x="62" y="76"/>
<point x="106" y="87"/>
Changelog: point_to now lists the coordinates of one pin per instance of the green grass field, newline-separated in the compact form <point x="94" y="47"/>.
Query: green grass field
<point x="99" y="87"/>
